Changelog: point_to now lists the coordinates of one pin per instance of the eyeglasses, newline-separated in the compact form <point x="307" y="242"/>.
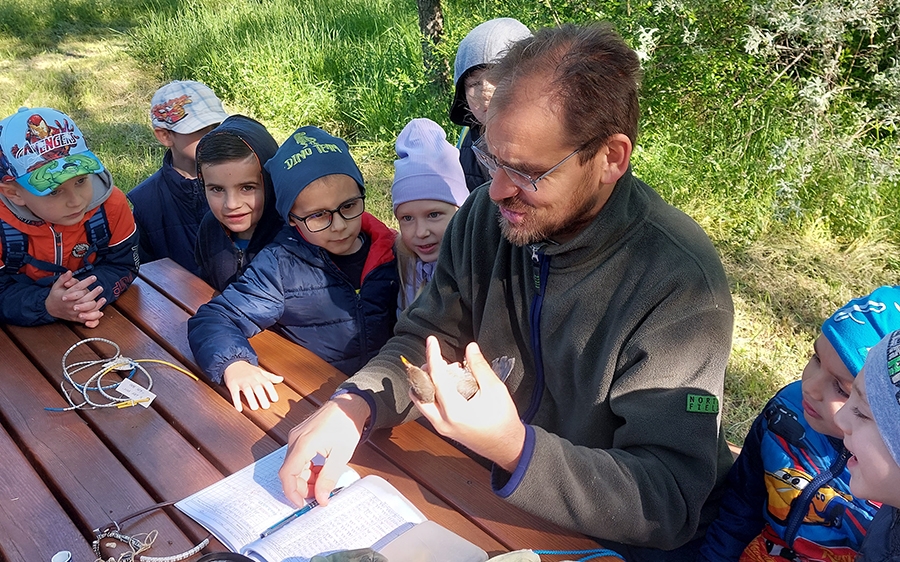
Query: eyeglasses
<point x="520" y="179"/>
<point x="320" y="220"/>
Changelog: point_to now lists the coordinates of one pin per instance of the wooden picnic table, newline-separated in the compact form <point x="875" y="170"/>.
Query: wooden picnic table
<point x="65" y="473"/>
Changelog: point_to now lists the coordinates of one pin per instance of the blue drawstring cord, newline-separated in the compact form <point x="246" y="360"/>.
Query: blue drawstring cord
<point x="591" y="554"/>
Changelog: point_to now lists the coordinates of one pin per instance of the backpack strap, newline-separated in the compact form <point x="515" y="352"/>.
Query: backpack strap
<point x="15" y="247"/>
<point x="98" y="237"/>
<point x="16" y="256"/>
<point x="98" y="233"/>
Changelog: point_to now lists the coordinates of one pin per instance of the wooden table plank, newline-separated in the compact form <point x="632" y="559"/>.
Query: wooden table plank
<point x="78" y="468"/>
<point x="413" y="447"/>
<point x="167" y="465"/>
<point x="179" y="284"/>
<point x="32" y="523"/>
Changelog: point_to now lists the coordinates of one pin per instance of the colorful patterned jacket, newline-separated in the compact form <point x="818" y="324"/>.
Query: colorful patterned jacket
<point x="788" y="495"/>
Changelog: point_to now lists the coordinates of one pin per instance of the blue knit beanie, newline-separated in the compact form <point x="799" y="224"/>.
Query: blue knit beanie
<point x="883" y="390"/>
<point x="307" y="155"/>
<point x="861" y="323"/>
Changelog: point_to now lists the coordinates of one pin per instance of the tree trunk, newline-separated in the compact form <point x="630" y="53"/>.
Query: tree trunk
<point x="431" y="24"/>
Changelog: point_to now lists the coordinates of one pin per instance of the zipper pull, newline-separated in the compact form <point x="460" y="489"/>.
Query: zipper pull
<point x="536" y="257"/>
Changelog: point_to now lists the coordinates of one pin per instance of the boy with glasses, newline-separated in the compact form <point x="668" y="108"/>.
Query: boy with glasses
<point x="328" y="283"/>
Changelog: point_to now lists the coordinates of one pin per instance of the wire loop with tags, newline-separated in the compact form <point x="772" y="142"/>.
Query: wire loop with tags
<point x="93" y="390"/>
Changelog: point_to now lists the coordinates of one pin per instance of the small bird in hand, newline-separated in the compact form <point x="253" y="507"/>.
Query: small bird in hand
<point x="423" y="387"/>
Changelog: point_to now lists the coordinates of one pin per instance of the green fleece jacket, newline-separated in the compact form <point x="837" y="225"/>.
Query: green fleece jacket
<point x="620" y="336"/>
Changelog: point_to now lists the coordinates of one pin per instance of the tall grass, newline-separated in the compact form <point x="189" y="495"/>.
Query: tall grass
<point x="349" y="67"/>
<point x="721" y="134"/>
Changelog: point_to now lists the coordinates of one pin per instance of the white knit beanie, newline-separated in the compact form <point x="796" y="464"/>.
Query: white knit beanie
<point x="427" y="166"/>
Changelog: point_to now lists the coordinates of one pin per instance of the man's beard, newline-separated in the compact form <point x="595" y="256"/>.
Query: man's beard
<point x="535" y="228"/>
<point x="526" y="233"/>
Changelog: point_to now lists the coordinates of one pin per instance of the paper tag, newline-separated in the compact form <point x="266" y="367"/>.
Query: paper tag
<point x="136" y="392"/>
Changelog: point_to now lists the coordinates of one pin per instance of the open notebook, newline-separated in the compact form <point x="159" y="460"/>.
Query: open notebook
<point x="366" y="513"/>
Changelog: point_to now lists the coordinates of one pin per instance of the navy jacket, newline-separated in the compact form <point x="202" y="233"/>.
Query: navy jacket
<point x="220" y="261"/>
<point x="882" y="544"/>
<point x="168" y="209"/>
<point x="475" y="174"/>
<point x="295" y="289"/>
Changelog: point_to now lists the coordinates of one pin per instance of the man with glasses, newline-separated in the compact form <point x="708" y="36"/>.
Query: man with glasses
<point x="329" y="282"/>
<point x="613" y="304"/>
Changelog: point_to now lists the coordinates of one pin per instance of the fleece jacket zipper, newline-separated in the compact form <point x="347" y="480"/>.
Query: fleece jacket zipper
<point x="540" y="264"/>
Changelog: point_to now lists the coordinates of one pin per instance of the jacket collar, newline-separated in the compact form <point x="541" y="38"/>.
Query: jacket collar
<point x="178" y="184"/>
<point x="627" y="206"/>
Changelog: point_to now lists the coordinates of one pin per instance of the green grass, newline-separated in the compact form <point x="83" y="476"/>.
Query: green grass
<point x="295" y="63"/>
<point x="801" y="206"/>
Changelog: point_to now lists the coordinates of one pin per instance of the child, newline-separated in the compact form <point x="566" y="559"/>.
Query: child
<point x="329" y="283"/>
<point x="428" y="188"/>
<point x="169" y="205"/>
<point x="242" y="217"/>
<point x="483" y="46"/>
<point x="787" y="496"/>
<point x="870" y="421"/>
<point x="69" y="243"/>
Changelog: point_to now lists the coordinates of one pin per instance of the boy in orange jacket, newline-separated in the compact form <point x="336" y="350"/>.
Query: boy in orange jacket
<point x="69" y="243"/>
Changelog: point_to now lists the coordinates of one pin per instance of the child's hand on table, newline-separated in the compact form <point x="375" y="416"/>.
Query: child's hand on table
<point x="257" y="385"/>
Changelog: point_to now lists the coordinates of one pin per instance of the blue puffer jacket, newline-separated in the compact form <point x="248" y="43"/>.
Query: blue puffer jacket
<point x="295" y="289"/>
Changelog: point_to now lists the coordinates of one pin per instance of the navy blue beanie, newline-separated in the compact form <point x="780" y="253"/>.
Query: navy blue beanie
<point x="307" y="155"/>
<point x="861" y="323"/>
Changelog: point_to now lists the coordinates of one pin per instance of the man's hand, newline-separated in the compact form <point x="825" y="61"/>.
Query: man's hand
<point x="73" y="300"/>
<point x="333" y="431"/>
<point x="487" y="423"/>
<point x="258" y="385"/>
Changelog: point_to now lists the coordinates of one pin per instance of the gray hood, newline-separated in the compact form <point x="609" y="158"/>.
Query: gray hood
<point x="486" y="44"/>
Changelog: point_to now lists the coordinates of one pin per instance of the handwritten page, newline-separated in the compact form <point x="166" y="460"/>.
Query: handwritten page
<point x="238" y="508"/>
<point x="368" y="513"/>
